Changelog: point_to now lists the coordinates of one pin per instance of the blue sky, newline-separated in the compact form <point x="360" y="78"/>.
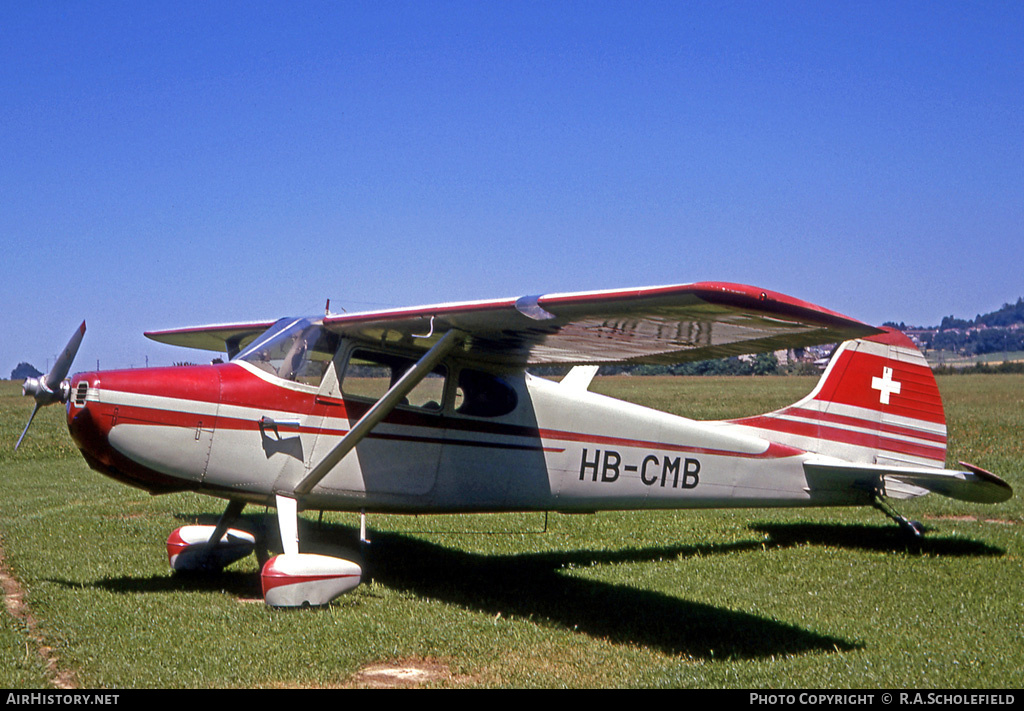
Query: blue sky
<point x="172" y="164"/>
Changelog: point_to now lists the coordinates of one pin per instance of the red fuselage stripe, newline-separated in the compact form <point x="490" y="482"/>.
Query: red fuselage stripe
<point x="836" y="434"/>
<point x="131" y="414"/>
<point x="849" y="421"/>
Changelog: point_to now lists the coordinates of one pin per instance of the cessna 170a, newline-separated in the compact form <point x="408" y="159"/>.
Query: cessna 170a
<point x="432" y="410"/>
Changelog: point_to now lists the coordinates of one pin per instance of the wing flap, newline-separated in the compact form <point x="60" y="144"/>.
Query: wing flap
<point x="666" y="324"/>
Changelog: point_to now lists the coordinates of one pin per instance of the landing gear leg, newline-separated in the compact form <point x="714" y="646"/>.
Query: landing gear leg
<point x="230" y="515"/>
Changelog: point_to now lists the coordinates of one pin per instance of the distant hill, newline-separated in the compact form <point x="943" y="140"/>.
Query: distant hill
<point x="24" y="370"/>
<point x="1008" y="316"/>
<point x="1000" y="330"/>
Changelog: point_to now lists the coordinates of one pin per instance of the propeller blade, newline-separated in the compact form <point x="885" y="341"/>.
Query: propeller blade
<point x="60" y="369"/>
<point x="29" y="424"/>
<point x="46" y="389"/>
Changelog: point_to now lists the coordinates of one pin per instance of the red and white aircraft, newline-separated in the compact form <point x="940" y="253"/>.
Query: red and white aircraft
<point x="431" y="410"/>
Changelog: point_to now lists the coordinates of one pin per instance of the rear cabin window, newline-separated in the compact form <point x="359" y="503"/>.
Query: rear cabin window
<point x="483" y="394"/>
<point x="370" y="375"/>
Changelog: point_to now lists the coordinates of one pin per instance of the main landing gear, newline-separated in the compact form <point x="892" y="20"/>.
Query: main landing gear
<point x="290" y="579"/>
<point x="294" y="579"/>
<point x="198" y="549"/>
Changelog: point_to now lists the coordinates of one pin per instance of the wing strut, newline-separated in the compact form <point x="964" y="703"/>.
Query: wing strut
<point x="379" y="411"/>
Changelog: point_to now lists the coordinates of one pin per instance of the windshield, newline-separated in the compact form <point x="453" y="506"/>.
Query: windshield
<point x="296" y="349"/>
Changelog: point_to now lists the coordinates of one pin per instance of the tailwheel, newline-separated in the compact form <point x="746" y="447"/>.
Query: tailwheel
<point x="913" y="529"/>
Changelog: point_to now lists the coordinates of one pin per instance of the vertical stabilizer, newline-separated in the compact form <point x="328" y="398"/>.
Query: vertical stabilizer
<point x="877" y="403"/>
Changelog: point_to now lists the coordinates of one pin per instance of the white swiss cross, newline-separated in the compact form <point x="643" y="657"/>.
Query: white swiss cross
<point x="885" y="385"/>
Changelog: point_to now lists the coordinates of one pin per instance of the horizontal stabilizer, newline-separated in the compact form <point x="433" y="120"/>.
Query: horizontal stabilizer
<point x="974" y="484"/>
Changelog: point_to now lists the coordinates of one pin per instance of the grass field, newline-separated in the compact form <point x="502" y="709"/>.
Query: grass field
<point x="831" y="598"/>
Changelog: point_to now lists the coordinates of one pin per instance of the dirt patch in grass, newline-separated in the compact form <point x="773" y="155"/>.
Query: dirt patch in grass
<point x="972" y="519"/>
<point x="14" y="602"/>
<point x="407" y="673"/>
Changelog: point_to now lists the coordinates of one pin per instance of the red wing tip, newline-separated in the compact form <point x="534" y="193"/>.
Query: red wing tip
<point x="759" y="294"/>
<point x="713" y="291"/>
<point x="892" y="337"/>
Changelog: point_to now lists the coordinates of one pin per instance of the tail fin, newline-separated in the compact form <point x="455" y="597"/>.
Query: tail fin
<point x="877" y="403"/>
<point x="876" y="418"/>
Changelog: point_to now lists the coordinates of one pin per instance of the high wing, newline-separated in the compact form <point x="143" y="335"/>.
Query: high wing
<point x="659" y="324"/>
<point x="662" y="324"/>
<point x="223" y="338"/>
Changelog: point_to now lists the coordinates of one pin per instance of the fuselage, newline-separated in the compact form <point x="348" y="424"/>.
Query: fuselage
<point x="478" y="441"/>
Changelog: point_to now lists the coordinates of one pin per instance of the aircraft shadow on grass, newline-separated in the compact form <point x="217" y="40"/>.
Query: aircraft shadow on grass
<point x="534" y="586"/>
<point x="879" y="539"/>
<point x="542" y="588"/>
<point x="539" y="586"/>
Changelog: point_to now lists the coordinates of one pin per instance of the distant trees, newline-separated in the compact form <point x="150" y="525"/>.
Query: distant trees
<point x="23" y="371"/>
<point x="761" y="364"/>
<point x="950" y="322"/>
<point x="765" y="364"/>
<point x="1007" y="316"/>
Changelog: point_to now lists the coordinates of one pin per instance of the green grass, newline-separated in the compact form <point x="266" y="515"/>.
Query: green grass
<point x="830" y="598"/>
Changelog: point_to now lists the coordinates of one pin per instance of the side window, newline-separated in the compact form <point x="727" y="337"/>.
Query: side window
<point x="370" y="375"/>
<point x="483" y="394"/>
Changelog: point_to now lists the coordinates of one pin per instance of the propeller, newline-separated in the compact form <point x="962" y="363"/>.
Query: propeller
<point x="51" y="388"/>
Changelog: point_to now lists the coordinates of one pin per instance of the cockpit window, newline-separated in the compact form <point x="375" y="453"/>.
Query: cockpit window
<point x="294" y="349"/>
